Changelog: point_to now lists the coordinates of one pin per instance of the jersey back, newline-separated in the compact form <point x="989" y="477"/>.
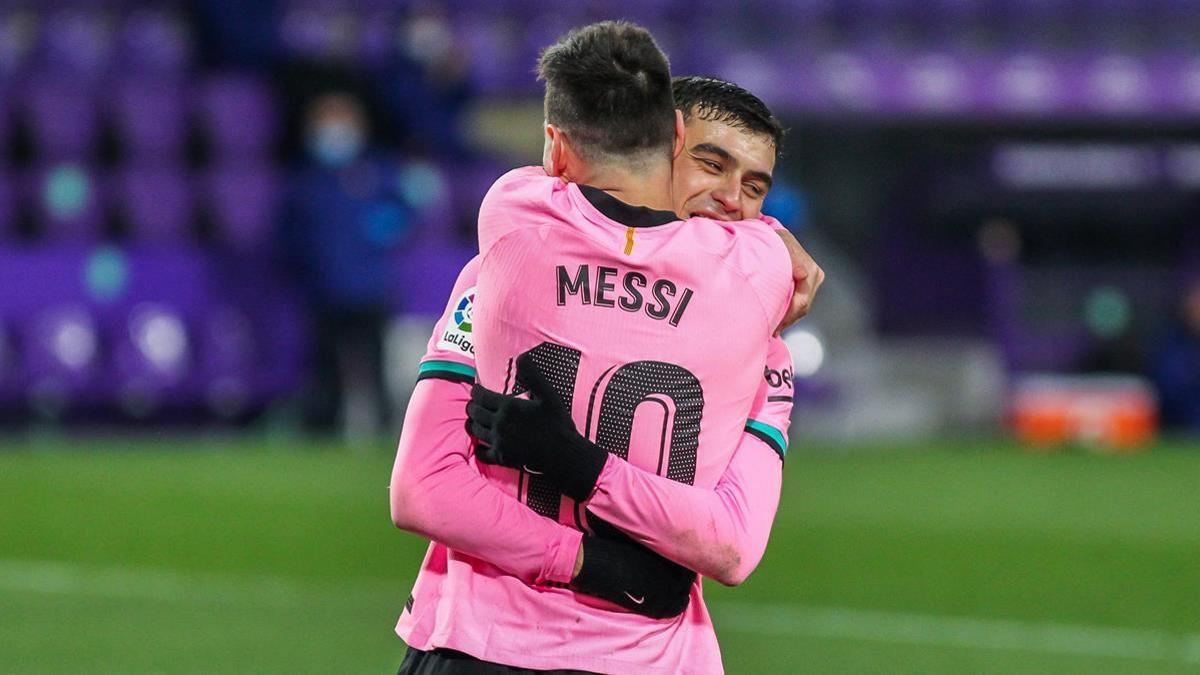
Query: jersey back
<point x="467" y="604"/>
<point x="652" y="329"/>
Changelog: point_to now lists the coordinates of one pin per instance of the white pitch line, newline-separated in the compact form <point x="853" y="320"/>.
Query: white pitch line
<point x="949" y="631"/>
<point x="60" y="578"/>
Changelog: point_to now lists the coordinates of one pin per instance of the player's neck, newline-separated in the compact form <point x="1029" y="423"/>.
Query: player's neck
<point x="650" y="188"/>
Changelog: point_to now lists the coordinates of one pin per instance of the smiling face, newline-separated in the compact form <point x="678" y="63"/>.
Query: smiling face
<point x="724" y="172"/>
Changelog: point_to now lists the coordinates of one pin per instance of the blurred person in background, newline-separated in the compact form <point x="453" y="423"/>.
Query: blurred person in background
<point x="1176" y="364"/>
<point x="343" y="220"/>
<point x="426" y="86"/>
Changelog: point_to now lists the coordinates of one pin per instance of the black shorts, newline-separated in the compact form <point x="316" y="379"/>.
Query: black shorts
<point x="450" y="662"/>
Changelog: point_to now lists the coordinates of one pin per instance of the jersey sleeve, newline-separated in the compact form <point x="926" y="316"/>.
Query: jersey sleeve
<point x="768" y="265"/>
<point x="518" y="199"/>
<point x="771" y="414"/>
<point x="438" y="493"/>
<point x="721" y="533"/>
<point x="759" y="255"/>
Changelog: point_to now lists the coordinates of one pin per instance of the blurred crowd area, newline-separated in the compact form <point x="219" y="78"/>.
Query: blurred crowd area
<point x="217" y="209"/>
<point x="197" y="222"/>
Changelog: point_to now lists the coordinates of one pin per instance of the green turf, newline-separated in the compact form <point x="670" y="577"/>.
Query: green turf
<point x="161" y="555"/>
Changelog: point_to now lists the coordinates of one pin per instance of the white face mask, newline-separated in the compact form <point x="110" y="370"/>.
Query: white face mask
<point x="335" y="143"/>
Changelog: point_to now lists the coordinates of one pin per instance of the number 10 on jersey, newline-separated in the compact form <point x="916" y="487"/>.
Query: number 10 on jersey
<point x="614" y="399"/>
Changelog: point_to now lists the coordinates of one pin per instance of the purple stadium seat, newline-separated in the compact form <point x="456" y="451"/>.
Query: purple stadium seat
<point x="62" y="356"/>
<point x="1116" y="8"/>
<point x="8" y="206"/>
<point x="1034" y="13"/>
<point x="152" y="327"/>
<point x="377" y="37"/>
<point x="256" y="325"/>
<point x="768" y="75"/>
<point x="536" y="33"/>
<point x="228" y="359"/>
<point x="157" y="203"/>
<point x="78" y="41"/>
<point x="150" y="117"/>
<point x="6" y="111"/>
<point x="66" y="200"/>
<point x="61" y="116"/>
<point x="493" y="45"/>
<point x="315" y="31"/>
<point x="155" y="41"/>
<point x="228" y="340"/>
<point x="238" y="115"/>
<point x="9" y="382"/>
<point x="18" y="35"/>
<point x="811" y="10"/>
<point x="244" y="202"/>
<point x="303" y="30"/>
<point x="151" y="355"/>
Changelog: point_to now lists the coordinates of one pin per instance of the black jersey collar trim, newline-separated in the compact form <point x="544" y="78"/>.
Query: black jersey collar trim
<point x="626" y="214"/>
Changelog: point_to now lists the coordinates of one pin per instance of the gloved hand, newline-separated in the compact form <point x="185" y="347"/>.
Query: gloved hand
<point x="622" y="571"/>
<point x="537" y="435"/>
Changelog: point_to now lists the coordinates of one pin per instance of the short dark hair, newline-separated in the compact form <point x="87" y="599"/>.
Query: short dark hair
<point x="717" y="100"/>
<point x="608" y="86"/>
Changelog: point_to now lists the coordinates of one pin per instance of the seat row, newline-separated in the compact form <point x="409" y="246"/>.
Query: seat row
<point x="82" y="329"/>
<point x="235" y="114"/>
<point x="151" y="202"/>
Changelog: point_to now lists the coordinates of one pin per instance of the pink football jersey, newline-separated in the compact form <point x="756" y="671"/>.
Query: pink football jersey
<point x="448" y="607"/>
<point x="627" y="310"/>
<point x="653" y="330"/>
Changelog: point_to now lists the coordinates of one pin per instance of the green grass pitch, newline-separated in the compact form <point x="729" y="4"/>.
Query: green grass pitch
<point x="255" y="556"/>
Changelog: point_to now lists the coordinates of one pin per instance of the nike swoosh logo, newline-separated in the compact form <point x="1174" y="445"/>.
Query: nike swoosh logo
<point x="636" y="601"/>
<point x="536" y="473"/>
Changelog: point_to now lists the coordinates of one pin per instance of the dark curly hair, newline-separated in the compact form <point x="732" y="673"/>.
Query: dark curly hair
<point x="717" y="100"/>
<point x="608" y="85"/>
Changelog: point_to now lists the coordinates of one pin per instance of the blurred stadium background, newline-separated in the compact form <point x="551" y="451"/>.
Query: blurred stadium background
<point x="993" y="466"/>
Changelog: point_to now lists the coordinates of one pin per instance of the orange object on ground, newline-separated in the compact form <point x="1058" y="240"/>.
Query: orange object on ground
<point x="1110" y="412"/>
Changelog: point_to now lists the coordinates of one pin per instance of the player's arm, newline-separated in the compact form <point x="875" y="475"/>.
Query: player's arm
<point x="723" y="532"/>
<point x="720" y="533"/>
<point x="437" y="493"/>
<point x="806" y="274"/>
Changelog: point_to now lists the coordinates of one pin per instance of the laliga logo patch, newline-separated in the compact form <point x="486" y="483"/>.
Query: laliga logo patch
<point x="457" y="336"/>
<point x="462" y="313"/>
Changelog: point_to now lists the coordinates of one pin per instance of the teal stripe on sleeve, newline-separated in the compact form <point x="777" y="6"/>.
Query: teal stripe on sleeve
<point x="769" y="434"/>
<point x="452" y="369"/>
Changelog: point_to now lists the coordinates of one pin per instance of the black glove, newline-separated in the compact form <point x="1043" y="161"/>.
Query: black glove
<point x="622" y="571"/>
<point x="537" y="435"/>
